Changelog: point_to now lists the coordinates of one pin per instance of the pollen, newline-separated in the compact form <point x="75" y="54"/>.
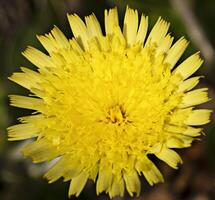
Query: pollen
<point x="101" y="103"/>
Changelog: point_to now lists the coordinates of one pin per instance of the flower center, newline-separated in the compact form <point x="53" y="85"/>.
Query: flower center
<point x="116" y="115"/>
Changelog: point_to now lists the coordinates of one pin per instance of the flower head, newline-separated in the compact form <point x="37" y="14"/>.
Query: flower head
<point x="102" y="103"/>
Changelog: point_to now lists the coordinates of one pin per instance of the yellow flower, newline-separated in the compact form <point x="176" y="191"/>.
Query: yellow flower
<point x="103" y="103"/>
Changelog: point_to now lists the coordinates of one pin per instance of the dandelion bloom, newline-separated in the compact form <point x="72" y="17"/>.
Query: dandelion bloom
<point x="102" y="103"/>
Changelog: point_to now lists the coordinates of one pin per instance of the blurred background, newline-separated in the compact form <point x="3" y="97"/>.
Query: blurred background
<point x="21" y="20"/>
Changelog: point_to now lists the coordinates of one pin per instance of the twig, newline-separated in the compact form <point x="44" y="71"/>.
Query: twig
<point x="195" y="30"/>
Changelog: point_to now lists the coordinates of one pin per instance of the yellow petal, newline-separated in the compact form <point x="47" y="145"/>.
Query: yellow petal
<point x="35" y="119"/>
<point x="198" y="117"/>
<point x="54" y="41"/>
<point x="193" y="132"/>
<point x="189" y="66"/>
<point x="130" y="26"/>
<point x="75" y="46"/>
<point x="27" y="79"/>
<point x="132" y="182"/>
<point x="164" y="45"/>
<point x="155" y="148"/>
<point x="179" y="142"/>
<point x="118" y="40"/>
<point x="158" y="32"/>
<point x="170" y="157"/>
<point x="66" y="166"/>
<point x="185" y="130"/>
<point x="57" y="59"/>
<point x="194" y="97"/>
<point x="104" y="43"/>
<point x="22" y="131"/>
<point x="26" y="102"/>
<point x="188" y="84"/>
<point x="117" y="187"/>
<point x="174" y="129"/>
<point x="56" y="171"/>
<point x="61" y="40"/>
<point x="149" y="170"/>
<point x="72" y="168"/>
<point x="93" y="26"/>
<point x="179" y="116"/>
<point x="77" y="184"/>
<point x="48" y="42"/>
<point x="79" y="30"/>
<point x="111" y="20"/>
<point x="104" y="181"/>
<point x="176" y="52"/>
<point x="142" y="31"/>
<point x="94" y="172"/>
<point x="37" y="58"/>
<point x="40" y="151"/>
